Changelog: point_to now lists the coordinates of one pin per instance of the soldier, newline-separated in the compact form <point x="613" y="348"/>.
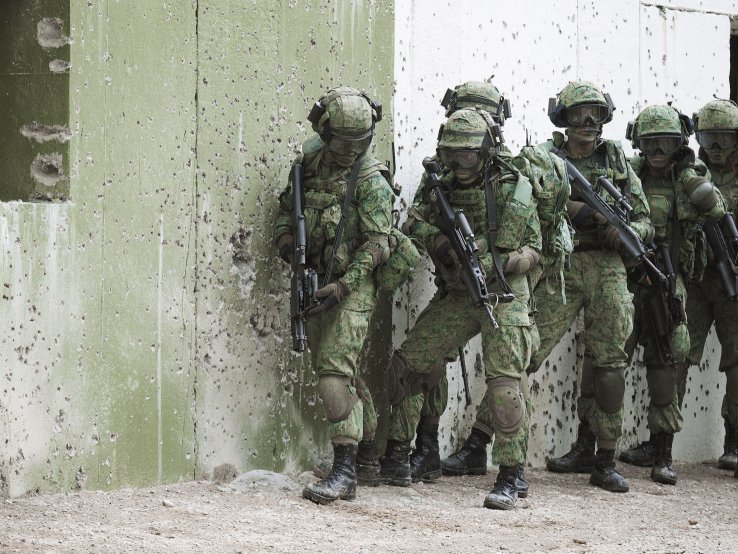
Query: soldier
<point x="595" y="282"/>
<point x="335" y="162"/>
<point x="425" y="461"/>
<point x="497" y="200"/>
<point x="680" y="195"/>
<point x="717" y="133"/>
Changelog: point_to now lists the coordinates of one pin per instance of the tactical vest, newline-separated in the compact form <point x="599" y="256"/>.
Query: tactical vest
<point x="608" y="160"/>
<point x="724" y="179"/>
<point x="670" y="206"/>
<point x="324" y="196"/>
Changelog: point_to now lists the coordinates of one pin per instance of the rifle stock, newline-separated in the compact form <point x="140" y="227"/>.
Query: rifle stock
<point x="723" y="240"/>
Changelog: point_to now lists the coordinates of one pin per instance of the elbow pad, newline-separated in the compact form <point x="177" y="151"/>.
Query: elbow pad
<point x="522" y="260"/>
<point x="379" y="247"/>
<point x="701" y="193"/>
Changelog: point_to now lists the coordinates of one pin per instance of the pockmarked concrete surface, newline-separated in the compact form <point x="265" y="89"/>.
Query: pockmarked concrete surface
<point x="262" y="511"/>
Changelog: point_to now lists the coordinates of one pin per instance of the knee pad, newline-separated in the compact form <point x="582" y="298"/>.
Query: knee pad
<point x="337" y="395"/>
<point x="506" y="403"/>
<point x="731" y="388"/>
<point x="661" y="384"/>
<point x="609" y="388"/>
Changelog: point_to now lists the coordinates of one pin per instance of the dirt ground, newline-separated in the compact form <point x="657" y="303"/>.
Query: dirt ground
<point x="264" y="512"/>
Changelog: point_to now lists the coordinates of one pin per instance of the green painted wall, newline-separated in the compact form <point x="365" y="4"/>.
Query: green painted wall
<point x="135" y="348"/>
<point x="31" y="93"/>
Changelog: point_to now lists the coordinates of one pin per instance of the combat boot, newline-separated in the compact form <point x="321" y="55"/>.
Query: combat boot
<point x="471" y="459"/>
<point x="604" y="474"/>
<point x="395" y="464"/>
<point x="367" y="464"/>
<point x="662" y="472"/>
<point x="641" y="455"/>
<point x="580" y="459"/>
<point x="729" y="459"/>
<point x="504" y="493"/>
<point x="341" y="482"/>
<point x="521" y="483"/>
<point x="425" y="461"/>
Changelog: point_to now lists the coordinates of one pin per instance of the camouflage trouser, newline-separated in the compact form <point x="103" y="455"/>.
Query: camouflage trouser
<point x="447" y="323"/>
<point x="706" y="303"/>
<point x="596" y="282"/>
<point x="666" y="383"/>
<point x="336" y="339"/>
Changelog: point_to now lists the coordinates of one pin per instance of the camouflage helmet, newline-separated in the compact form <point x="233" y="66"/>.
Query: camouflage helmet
<point x="717" y="114"/>
<point x="659" y="120"/>
<point x="482" y="94"/>
<point x="578" y="93"/>
<point x="470" y="129"/>
<point x="345" y="112"/>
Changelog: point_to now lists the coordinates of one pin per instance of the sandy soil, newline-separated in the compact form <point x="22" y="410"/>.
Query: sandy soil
<point x="263" y="512"/>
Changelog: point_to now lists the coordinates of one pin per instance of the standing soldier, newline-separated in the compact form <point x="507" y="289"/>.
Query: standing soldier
<point x="341" y="181"/>
<point x="498" y="203"/>
<point x="717" y="133"/>
<point x="680" y="196"/>
<point x="596" y="282"/>
<point x="716" y="125"/>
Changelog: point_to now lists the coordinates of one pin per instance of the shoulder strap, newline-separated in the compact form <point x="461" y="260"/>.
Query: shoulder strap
<point x="342" y="223"/>
<point x="492" y="233"/>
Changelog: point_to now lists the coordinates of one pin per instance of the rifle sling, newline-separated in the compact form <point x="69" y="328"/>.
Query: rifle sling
<point x="492" y="233"/>
<point x="342" y="223"/>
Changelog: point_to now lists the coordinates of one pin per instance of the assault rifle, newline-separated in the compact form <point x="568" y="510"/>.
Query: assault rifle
<point x="723" y="239"/>
<point x="304" y="280"/>
<point x="663" y="306"/>
<point x="456" y="227"/>
<point x="631" y="244"/>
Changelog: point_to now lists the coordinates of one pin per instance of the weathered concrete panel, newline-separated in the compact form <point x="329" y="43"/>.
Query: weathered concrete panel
<point x="98" y="306"/>
<point x="34" y="98"/>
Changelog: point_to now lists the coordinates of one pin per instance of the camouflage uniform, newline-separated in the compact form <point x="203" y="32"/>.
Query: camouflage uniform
<point x="337" y="329"/>
<point x="680" y="196"/>
<point x="707" y="301"/>
<point x="596" y="282"/>
<point x="449" y="321"/>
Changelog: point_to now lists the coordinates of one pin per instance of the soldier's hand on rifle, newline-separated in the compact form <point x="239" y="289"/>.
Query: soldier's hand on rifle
<point x="331" y="296"/>
<point x="286" y="247"/>
<point x="583" y="217"/>
<point x="444" y="251"/>
<point x="611" y="237"/>
<point x="520" y="261"/>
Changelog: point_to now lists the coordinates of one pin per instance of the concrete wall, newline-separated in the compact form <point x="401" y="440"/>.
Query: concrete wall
<point x="144" y="320"/>
<point x="638" y="52"/>
<point x="136" y="347"/>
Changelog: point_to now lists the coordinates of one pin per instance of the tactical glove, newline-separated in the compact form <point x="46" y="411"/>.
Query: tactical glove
<point x="444" y="251"/>
<point x="520" y="261"/>
<point x="583" y="217"/>
<point x="612" y="237"/>
<point x="286" y="247"/>
<point x="330" y="296"/>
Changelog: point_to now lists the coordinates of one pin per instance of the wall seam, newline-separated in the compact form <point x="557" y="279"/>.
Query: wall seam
<point x="196" y="444"/>
<point x="685" y="9"/>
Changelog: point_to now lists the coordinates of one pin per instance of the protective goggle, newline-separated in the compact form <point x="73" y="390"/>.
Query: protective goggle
<point x="665" y="145"/>
<point x="460" y="159"/>
<point x="717" y="139"/>
<point x="595" y="114"/>
<point x="343" y="146"/>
